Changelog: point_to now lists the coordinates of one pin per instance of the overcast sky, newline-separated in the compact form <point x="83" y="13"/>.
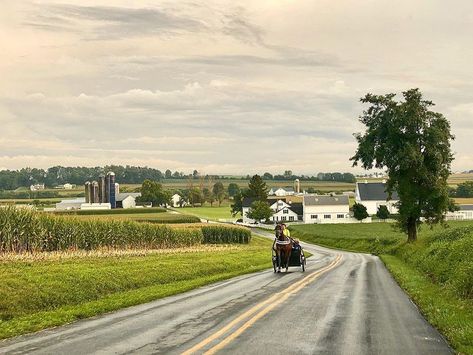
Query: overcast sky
<point x="221" y="86"/>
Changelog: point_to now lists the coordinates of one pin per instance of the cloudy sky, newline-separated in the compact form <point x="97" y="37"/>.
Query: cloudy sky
<point x="221" y="86"/>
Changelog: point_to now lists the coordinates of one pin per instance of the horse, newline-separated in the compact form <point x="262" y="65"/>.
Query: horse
<point x="283" y="248"/>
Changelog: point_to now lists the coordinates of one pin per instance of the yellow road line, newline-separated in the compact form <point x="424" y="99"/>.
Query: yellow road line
<point x="270" y="304"/>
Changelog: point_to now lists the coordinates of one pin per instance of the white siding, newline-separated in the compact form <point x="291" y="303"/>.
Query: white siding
<point x="326" y="213"/>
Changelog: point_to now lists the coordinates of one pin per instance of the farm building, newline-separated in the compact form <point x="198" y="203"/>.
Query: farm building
<point x="36" y="187"/>
<point x="464" y="213"/>
<point x="126" y="199"/>
<point x="281" y="191"/>
<point x="69" y="205"/>
<point x="177" y="201"/>
<point x="373" y="194"/>
<point x="326" y="209"/>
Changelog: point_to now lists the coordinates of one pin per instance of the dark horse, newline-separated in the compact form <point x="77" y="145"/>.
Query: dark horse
<point x="283" y="248"/>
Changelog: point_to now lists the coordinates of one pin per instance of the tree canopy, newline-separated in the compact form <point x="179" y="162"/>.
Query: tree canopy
<point x="257" y="188"/>
<point x="259" y="211"/>
<point x="413" y="144"/>
<point x="152" y="191"/>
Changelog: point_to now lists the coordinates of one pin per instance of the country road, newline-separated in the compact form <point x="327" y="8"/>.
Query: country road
<point x="345" y="303"/>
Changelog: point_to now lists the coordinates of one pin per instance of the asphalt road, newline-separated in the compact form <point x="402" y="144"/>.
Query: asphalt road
<point x="344" y="303"/>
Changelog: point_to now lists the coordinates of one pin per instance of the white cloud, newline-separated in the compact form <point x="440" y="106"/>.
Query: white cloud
<point x="224" y="87"/>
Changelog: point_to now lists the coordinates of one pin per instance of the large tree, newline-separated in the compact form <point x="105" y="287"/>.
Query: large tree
<point x="233" y="189"/>
<point x="413" y="144"/>
<point x="257" y="188"/>
<point x="219" y="192"/>
<point x="259" y="211"/>
<point x="151" y="191"/>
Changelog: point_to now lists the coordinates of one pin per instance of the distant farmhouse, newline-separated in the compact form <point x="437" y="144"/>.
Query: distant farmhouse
<point x="373" y="194"/>
<point x="36" y="187"/>
<point x="282" y="211"/>
<point x="178" y="201"/>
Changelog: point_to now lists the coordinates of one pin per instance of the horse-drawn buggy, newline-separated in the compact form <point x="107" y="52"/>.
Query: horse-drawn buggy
<point x="286" y="252"/>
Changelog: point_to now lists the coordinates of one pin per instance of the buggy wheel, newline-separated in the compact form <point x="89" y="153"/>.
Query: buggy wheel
<point x="303" y="262"/>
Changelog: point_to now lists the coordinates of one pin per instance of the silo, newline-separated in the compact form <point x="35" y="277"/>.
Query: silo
<point x="87" y="191"/>
<point x="95" y="192"/>
<point x="297" y="186"/>
<point x="107" y="188"/>
<point x="102" y="189"/>
<point x="111" y="177"/>
<point x="117" y="188"/>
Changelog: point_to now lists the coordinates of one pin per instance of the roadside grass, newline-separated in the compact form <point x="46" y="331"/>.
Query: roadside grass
<point x="367" y="238"/>
<point x="452" y="316"/>
<point x="41" y="293"/>
<point x="436" y="271"/>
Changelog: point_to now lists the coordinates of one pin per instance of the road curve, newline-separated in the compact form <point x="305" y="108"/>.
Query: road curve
<point x="345" y="303"/>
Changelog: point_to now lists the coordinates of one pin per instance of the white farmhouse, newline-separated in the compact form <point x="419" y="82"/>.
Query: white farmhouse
<point x="176" y="201"/>
<point x="127" y="199"/>
<point x="286" y="212"/>
<point x="373" y="194"/>
<point x="326" y="209"/>
<point x="282" y="211"/>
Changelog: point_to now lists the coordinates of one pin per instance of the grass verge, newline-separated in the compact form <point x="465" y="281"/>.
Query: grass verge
<point x="452" y="316"/>
<point x="42" y="293"/>
<point x="436" y="271"/>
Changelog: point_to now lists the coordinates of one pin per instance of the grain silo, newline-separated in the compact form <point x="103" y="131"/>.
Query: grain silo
<point x="111" y="187"/>
<point x="94" y="192"/>
<point x="102" y="198"/>
<point x="87" y="191"/>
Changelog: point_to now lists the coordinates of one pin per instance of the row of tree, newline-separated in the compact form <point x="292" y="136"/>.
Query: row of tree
<point x="207" y="192"/>
<point x="58" y="175"/>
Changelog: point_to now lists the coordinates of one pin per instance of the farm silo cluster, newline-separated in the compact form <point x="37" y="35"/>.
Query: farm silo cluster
<point x="102" y="191"/>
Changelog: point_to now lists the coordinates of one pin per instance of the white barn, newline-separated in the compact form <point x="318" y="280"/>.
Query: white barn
<point x="373" y="194"/>
<point x="326" y="209"/>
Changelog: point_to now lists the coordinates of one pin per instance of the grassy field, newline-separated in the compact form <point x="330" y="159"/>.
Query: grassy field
<point x="436" y="271"/>
<point x="213" y="213"/>
<point x="48" y="290"/>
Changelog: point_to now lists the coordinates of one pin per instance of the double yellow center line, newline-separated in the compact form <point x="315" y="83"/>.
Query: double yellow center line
<point x="258" y="311"/>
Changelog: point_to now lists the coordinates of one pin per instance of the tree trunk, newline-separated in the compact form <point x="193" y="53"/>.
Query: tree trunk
<point x="411" y="230"/>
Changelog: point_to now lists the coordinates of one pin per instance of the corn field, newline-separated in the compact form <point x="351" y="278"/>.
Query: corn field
<point x="24" y="230"/>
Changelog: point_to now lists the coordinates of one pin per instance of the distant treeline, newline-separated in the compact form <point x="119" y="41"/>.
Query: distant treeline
<point x="59" y="175"/>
